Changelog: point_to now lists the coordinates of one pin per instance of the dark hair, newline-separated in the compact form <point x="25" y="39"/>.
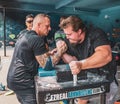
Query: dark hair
<point x="73" y="21"/>
<point x="29" y="16"/>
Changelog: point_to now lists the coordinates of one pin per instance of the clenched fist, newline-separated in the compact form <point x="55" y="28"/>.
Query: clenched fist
<point x="75" y="67"/>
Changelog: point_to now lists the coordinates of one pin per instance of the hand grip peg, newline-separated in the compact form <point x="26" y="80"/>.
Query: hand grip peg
<point x="75" y="79"/>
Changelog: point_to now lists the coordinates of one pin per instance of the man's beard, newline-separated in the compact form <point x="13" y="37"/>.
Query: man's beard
<point x="75" y="44"/>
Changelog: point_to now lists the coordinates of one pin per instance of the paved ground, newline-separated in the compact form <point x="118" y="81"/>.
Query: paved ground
<point x="10" y="99"/>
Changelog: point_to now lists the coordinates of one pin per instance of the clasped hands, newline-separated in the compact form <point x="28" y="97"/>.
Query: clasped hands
<point x="61" y="47"/>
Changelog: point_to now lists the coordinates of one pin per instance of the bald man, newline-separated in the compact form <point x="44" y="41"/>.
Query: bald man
<point x="30" y="52"/>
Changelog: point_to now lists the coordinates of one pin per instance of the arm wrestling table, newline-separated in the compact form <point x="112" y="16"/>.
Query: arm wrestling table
<point x="48" y="89"/>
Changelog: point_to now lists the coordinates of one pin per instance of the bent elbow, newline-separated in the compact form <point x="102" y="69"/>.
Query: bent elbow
<point x="109" y="58"/>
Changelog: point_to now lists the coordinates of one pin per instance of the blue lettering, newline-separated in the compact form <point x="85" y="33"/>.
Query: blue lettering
<point x="79" y="93"/>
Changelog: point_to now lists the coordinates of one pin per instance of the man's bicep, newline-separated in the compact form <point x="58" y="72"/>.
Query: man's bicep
<point x="103" y="48"/>
<point x="104" y="51"/>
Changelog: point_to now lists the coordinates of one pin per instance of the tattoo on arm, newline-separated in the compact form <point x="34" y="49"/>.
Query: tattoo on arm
<point x="42" y="59"/>
<point x="56" y="57"/>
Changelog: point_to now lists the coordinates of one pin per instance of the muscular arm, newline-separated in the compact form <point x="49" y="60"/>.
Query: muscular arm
<point x="101" y="57"/>
<point x="42" y="59"/>
<point x="55" y="56"/>
<point x="68" y="58"/>
<point x="65" y="57"/>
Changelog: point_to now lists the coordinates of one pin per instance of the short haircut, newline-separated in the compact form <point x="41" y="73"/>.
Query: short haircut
<point x="39" y="18"/>
<point x="29" y="16"/>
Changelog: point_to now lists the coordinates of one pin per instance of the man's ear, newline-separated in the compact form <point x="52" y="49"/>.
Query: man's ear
<point x="80" y="31"/>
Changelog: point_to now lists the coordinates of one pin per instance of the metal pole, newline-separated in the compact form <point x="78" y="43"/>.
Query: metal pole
<point x="4" y="28"/>
<point x="103" y="98"/>
<point x="74" y="80"/>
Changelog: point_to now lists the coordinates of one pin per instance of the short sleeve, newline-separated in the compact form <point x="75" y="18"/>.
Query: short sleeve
<point x="99" y="38"/>
<point x="37" y="44"/>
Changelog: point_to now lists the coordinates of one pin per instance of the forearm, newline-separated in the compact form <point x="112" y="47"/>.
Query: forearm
<point x="98" y="59"/>
<point x="55" y="57"/>
<point x="43" y="59"/>
<point x="101" y="57"/>
<point x="88" y="63"/>
<point x="68" y="58"/>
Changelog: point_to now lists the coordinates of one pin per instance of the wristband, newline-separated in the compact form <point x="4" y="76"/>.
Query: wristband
<point x="82" y="61"/>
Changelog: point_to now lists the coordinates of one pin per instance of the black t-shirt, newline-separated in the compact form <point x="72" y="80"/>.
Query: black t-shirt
<point x="24" y="66"/>
<point x="22" y="33"/>
<point x="94" y="37"/>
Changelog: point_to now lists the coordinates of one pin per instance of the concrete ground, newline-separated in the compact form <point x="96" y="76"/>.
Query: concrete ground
<point x="11" y="99"/>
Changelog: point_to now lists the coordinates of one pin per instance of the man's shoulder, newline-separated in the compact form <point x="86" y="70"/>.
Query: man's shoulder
<point x="33" y="36"/>
<point x="95" y="30"/>
<point x="23" y="31"/>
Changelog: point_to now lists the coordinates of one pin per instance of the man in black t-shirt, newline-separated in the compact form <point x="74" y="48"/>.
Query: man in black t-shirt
<point x="30" y="52"/>
<point x="92" y="50"/>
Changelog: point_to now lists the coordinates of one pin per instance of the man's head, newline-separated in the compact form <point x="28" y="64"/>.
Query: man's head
<point x="29" y="21"/>
<point x="41" y="24"/>
<point x="74" y="29"/>
<point x="62" y="18"/>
